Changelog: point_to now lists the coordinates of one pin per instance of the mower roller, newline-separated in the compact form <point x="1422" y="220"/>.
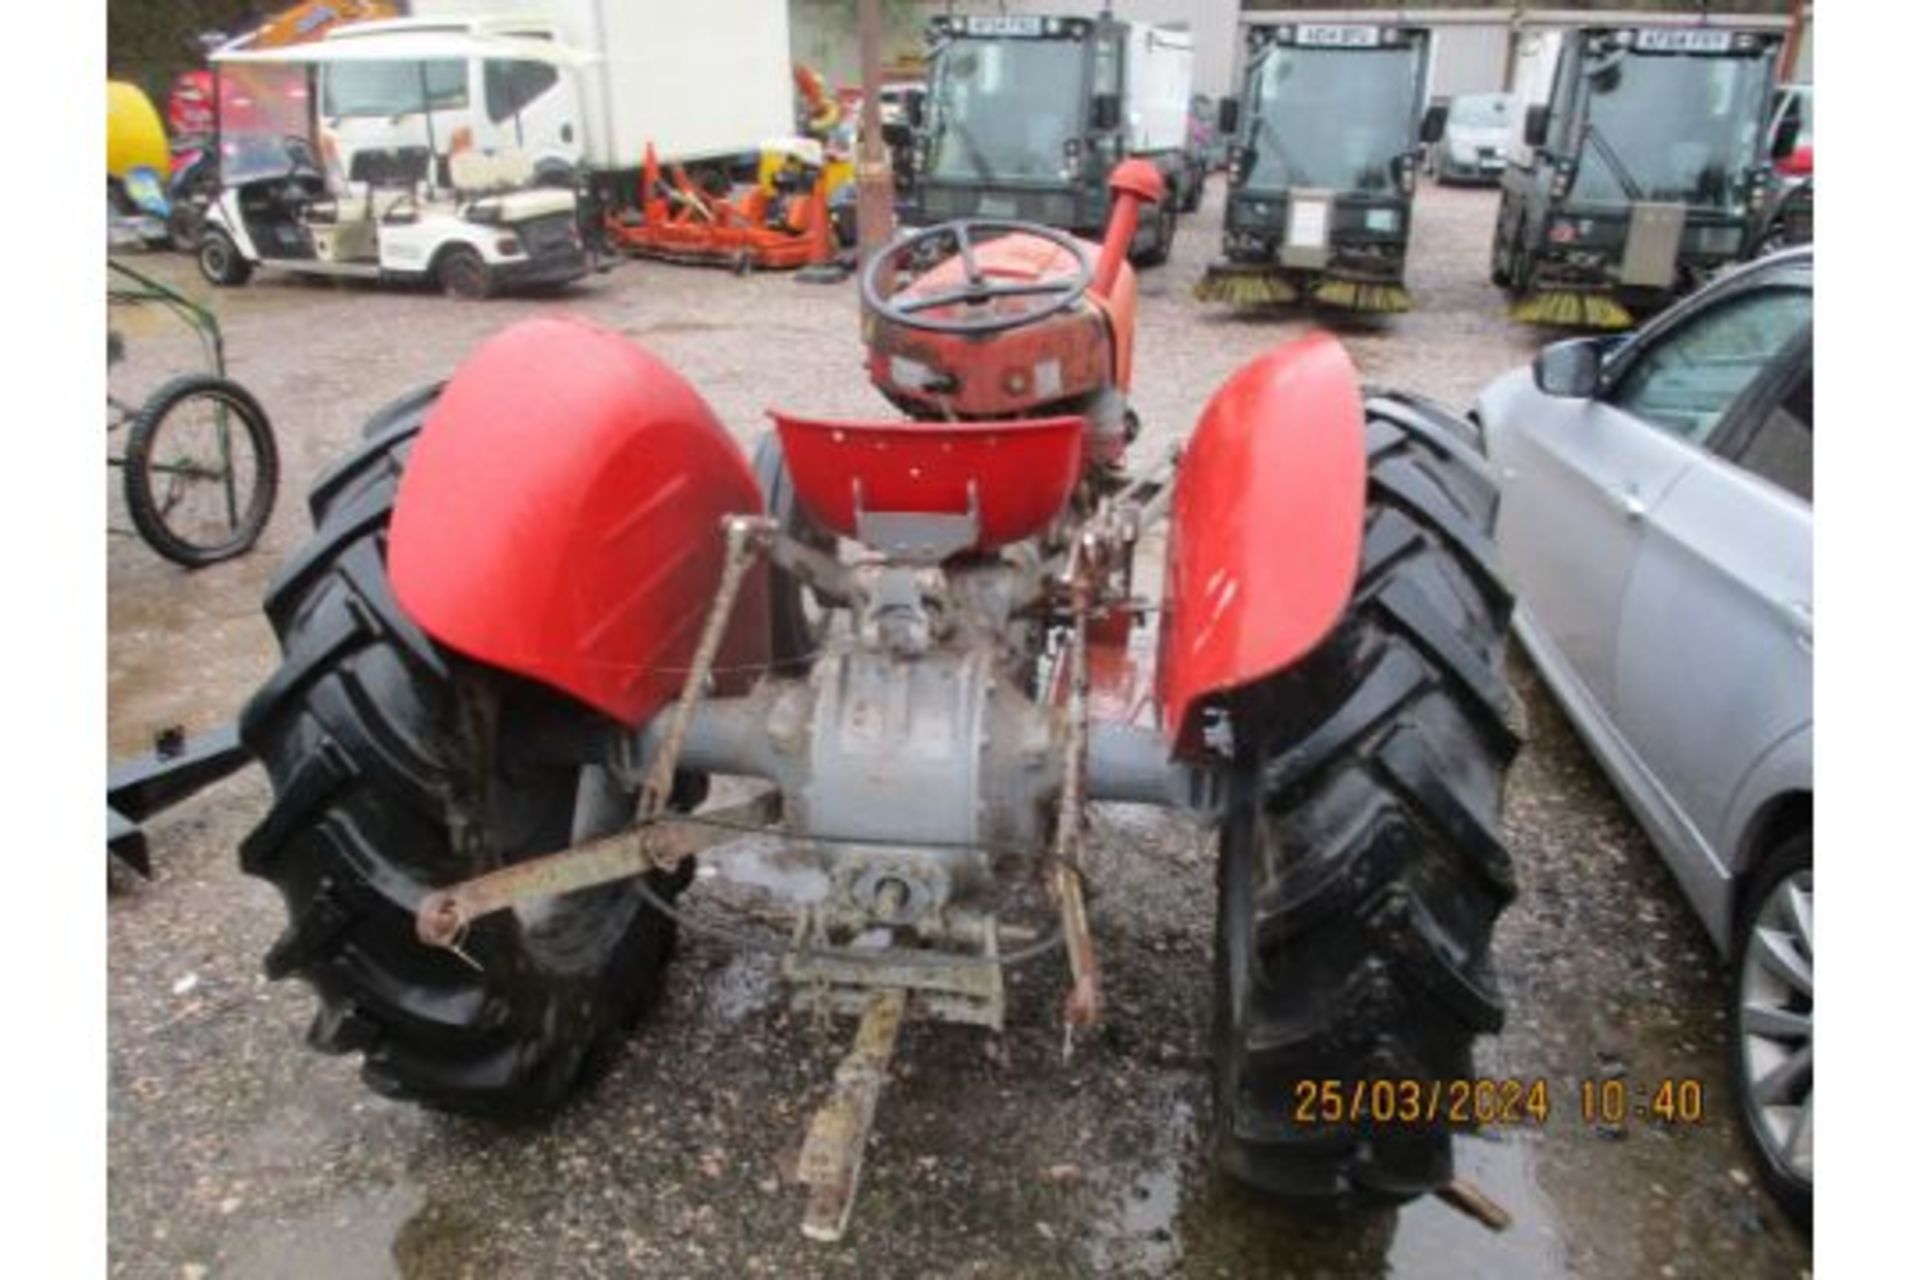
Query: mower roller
<point x="780" y="227"/>
<point x="548" y="601"/>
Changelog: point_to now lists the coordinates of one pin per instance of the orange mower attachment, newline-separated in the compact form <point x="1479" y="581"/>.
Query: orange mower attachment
<point x="679" y="222"/>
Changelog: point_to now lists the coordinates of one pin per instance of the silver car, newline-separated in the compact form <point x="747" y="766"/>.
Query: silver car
<point x="1473" y="145"/>
<point x="1656" y="520"/>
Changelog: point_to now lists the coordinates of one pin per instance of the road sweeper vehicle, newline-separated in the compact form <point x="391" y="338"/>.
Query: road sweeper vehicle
<point x="468" y="221"/>
<point x="1322" y="171"/>
<point x="548" y="601"/>
<point x="1648" y="168"/>
<point x="1026" y="116"/>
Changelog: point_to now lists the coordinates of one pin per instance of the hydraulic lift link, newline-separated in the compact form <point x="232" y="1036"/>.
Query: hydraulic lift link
<point x="445" y="914"/>
<point x="836" y="1143"/>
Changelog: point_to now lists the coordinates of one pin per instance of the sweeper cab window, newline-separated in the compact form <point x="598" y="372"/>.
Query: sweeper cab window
<point x="1372" y="89"/>
<point x="1681" y="126"/>
<point x="1006" y="107"/>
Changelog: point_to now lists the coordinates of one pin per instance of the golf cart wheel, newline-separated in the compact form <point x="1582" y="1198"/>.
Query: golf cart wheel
<point x="1773" y="1023"/>
<point x="396" y="767"/>
<point x="1361" y="863"/>
<point x="220" y="259"/>
<point x="463" y="273"/>
<point x="201" y="470"/>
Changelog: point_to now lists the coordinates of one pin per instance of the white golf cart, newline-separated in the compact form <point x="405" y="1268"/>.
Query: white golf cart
<point x="471" y="221"/>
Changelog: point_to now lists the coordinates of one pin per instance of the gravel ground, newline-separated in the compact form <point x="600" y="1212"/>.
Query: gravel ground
<point x="235" y="1151"/>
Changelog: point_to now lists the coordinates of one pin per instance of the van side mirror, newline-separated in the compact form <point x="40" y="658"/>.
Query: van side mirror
<point x="914" y="108"/>
<point x="1106" y="111"/>
<point x="1433" y="126"/>
<point x="1568" y="369"/>
<point x="1228" y="120"/>
<point x="1536" y="135"/>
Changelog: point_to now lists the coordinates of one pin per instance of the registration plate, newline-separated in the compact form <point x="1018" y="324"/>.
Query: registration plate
<point x="1682" y="40"/>
<point x="1006" y="24"/>
<point x="1307" y="224"/>
<point x="1332" y="35"/>
<point x="997" y="207"/>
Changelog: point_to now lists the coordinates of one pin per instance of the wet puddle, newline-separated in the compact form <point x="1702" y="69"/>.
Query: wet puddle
<point x="1174" y="1215"/>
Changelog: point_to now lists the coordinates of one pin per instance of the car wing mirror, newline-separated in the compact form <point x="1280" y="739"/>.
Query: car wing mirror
<point x="1536" y="127"/>
<point x="1570" y="370"/>
<point x="1434" y="124"/>
<point x="1785" y="138"/>
<point x="1228" y="119"/>
<point x="1106" y="111"/>
<point x="913" y="107"/>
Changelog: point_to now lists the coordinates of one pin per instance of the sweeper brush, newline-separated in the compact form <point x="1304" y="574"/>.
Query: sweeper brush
<point x="1245" y="287"/>
<point x="1363" y="295"/>
<point x="1572" y="309"/>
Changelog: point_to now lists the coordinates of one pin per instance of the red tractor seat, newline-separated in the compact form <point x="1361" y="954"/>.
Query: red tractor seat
<point x="928" y="490"/>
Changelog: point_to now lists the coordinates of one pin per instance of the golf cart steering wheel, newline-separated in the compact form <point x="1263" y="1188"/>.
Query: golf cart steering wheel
<point x="300" y="157"/>
<point x="907" y="311"/>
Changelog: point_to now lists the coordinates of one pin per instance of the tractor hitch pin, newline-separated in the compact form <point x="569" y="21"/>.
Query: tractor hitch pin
<point x="445" y="914"/>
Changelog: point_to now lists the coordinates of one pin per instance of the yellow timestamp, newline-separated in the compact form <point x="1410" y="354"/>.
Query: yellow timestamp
<point x="1615" y="1100"/>
<point x="1482" y="1102"/>
<point x="1462" y="1102"/>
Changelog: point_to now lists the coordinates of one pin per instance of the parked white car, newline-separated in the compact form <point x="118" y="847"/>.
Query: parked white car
<point x="1656" y="520"/>
<point x="1473" y="145"/>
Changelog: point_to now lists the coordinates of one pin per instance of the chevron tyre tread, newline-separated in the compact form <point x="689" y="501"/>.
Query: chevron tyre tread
<point x="393" y="772"/>
<point x="1362" y="867"/>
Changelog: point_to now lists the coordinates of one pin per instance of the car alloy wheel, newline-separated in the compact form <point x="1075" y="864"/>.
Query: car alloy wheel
<point x="1776" y="1025"/>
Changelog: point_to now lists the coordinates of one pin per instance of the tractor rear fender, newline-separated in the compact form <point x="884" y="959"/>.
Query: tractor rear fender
<point x="1264" y="540"/>
<point x="560" y="518"/>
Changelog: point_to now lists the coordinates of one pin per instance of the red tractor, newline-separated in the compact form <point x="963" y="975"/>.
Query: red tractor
<point x="548" y="600"/>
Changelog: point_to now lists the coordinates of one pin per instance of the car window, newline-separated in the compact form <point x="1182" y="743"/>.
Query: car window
<point x="1781" y="447"/>
<point x="1688" y="378"/>
<point x="512" y="85"/>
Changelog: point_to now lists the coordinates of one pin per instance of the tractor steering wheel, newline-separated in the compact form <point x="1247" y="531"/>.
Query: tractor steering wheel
<point x="1057" y="294"/>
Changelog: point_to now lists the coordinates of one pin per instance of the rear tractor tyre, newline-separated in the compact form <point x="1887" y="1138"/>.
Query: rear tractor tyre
<point x="394" y="769"/>
<point x="1361" y="863"/>
<point x="797" y="616"/>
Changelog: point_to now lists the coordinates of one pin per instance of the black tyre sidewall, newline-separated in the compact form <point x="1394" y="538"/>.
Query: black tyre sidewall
<point x="137" y="473"/>
<point x="428" y="780"/>
<point x="1790" y="856"/>
<point x="463" y="273"/>
<point x="226" y="267"/>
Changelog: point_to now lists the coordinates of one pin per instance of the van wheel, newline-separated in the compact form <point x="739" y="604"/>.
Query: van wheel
<point x="220" y="260"/>
<point x="463" y="273"/>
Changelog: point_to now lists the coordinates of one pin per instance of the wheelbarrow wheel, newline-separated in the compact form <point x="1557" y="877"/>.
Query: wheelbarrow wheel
<point x="201" y="470"/>
<point x="394" y="768"/>
<point x="1362" y="867"/>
